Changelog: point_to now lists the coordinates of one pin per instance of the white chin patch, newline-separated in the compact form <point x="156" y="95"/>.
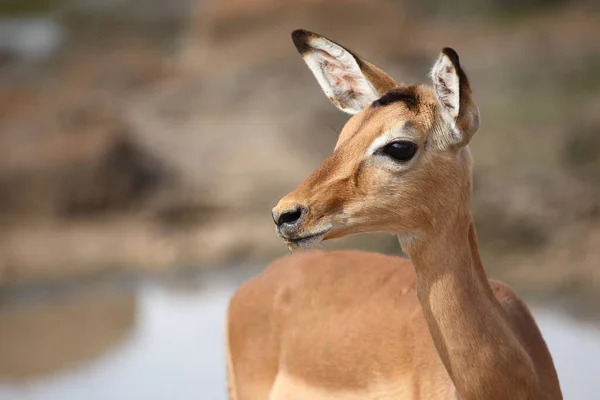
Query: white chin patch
<point x="304" y="243"/>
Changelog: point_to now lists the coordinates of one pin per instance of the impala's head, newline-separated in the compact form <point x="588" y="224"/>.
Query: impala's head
<point x="401" y="163"/>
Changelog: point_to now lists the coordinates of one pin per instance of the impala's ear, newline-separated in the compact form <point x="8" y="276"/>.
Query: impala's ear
<point x="350" y="82"/>
<point x="454" y="95"/>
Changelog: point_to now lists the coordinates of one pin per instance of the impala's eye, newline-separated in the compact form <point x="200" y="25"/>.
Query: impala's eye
<point x="401" y="150"/>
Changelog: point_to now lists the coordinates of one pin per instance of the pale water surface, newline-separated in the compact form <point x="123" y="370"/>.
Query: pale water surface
<point x="175" y="351"/>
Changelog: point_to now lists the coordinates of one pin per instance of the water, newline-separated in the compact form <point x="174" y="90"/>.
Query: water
<point x="33" y="38"/>
<point x="173" y="349"/>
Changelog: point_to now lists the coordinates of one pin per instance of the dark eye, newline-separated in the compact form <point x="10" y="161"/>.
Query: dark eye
<point x="400" y="151"/>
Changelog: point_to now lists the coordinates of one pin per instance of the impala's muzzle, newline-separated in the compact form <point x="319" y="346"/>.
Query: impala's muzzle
<point x="290" y="223"/>
<point x="288" y="220"/>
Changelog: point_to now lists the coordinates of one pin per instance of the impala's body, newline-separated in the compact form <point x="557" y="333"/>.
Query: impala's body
<point x="348" y="325"/>
<point x="354" y="325"/>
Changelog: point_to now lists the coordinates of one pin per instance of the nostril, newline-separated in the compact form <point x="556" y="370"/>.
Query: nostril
<point x="289" y="216"/>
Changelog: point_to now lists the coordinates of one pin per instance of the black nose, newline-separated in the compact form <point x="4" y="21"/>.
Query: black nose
<point x="290" y="217"/>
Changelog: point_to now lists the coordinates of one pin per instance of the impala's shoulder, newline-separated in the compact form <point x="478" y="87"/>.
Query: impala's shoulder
<point x="512" y="303"/>
<point x="503" y="292"/>
<point x="530" y="336"/>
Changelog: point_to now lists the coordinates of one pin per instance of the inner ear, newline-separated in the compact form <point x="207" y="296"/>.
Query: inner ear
<point x="446" y="82"/>
<point x="454" y="96"/>
<point x="350" y="82"/>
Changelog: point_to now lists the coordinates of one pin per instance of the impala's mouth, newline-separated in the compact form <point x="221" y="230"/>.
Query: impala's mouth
<point x="305" y="241"/>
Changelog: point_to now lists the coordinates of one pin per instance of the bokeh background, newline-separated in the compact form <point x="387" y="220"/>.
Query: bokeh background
<point x="144" y="142"/>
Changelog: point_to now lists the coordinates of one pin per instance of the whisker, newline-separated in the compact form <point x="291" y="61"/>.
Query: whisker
<point x="333" y="129"/>
<point x="324" y="246"/>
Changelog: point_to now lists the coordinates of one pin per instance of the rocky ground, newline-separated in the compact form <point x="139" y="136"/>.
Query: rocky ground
<point x="148" y="144"/>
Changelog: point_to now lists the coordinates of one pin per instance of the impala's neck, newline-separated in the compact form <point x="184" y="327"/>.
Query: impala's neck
<point x="470" y="331"/>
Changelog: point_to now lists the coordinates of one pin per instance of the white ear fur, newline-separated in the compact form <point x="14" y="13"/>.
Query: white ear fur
<point x="454" y="96"/>
<point x="339" y="75"/>
<point x="446" y="83"/>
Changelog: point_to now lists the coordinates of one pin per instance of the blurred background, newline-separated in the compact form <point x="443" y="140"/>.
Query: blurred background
<point x="144" y="142"/>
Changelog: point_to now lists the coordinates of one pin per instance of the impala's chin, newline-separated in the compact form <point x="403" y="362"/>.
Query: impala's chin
<point x="334" y="234"/>
<point x="304" y="240"/>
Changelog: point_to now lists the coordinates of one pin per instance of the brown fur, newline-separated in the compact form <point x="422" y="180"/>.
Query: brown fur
<point x="354" y="325"/>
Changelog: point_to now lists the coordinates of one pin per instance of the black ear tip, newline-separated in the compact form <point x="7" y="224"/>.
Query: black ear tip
<point x="300" y="38"/>
<point x="297" y="33"/>
<point x="452" y="55"/>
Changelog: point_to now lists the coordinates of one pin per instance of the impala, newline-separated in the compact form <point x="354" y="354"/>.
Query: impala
<point x="354" y="325"/>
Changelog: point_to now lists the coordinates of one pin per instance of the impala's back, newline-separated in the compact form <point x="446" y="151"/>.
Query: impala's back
<point x="305" y="329"/>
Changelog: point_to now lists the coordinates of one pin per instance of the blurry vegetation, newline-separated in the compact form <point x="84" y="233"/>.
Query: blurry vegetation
<point x="207" y="116"/>
<point x="501" y="10"/>
<point x="121" y="179"/>
<point x="28" y="7"/>
<point x="582" y="157"/>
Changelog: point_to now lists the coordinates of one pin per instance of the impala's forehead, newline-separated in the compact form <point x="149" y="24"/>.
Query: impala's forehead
<point x="407" y="112"/>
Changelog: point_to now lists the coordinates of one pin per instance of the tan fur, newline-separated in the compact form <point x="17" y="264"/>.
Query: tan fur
<point x="355" y="325"/>
<point x="231" y="385"/>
